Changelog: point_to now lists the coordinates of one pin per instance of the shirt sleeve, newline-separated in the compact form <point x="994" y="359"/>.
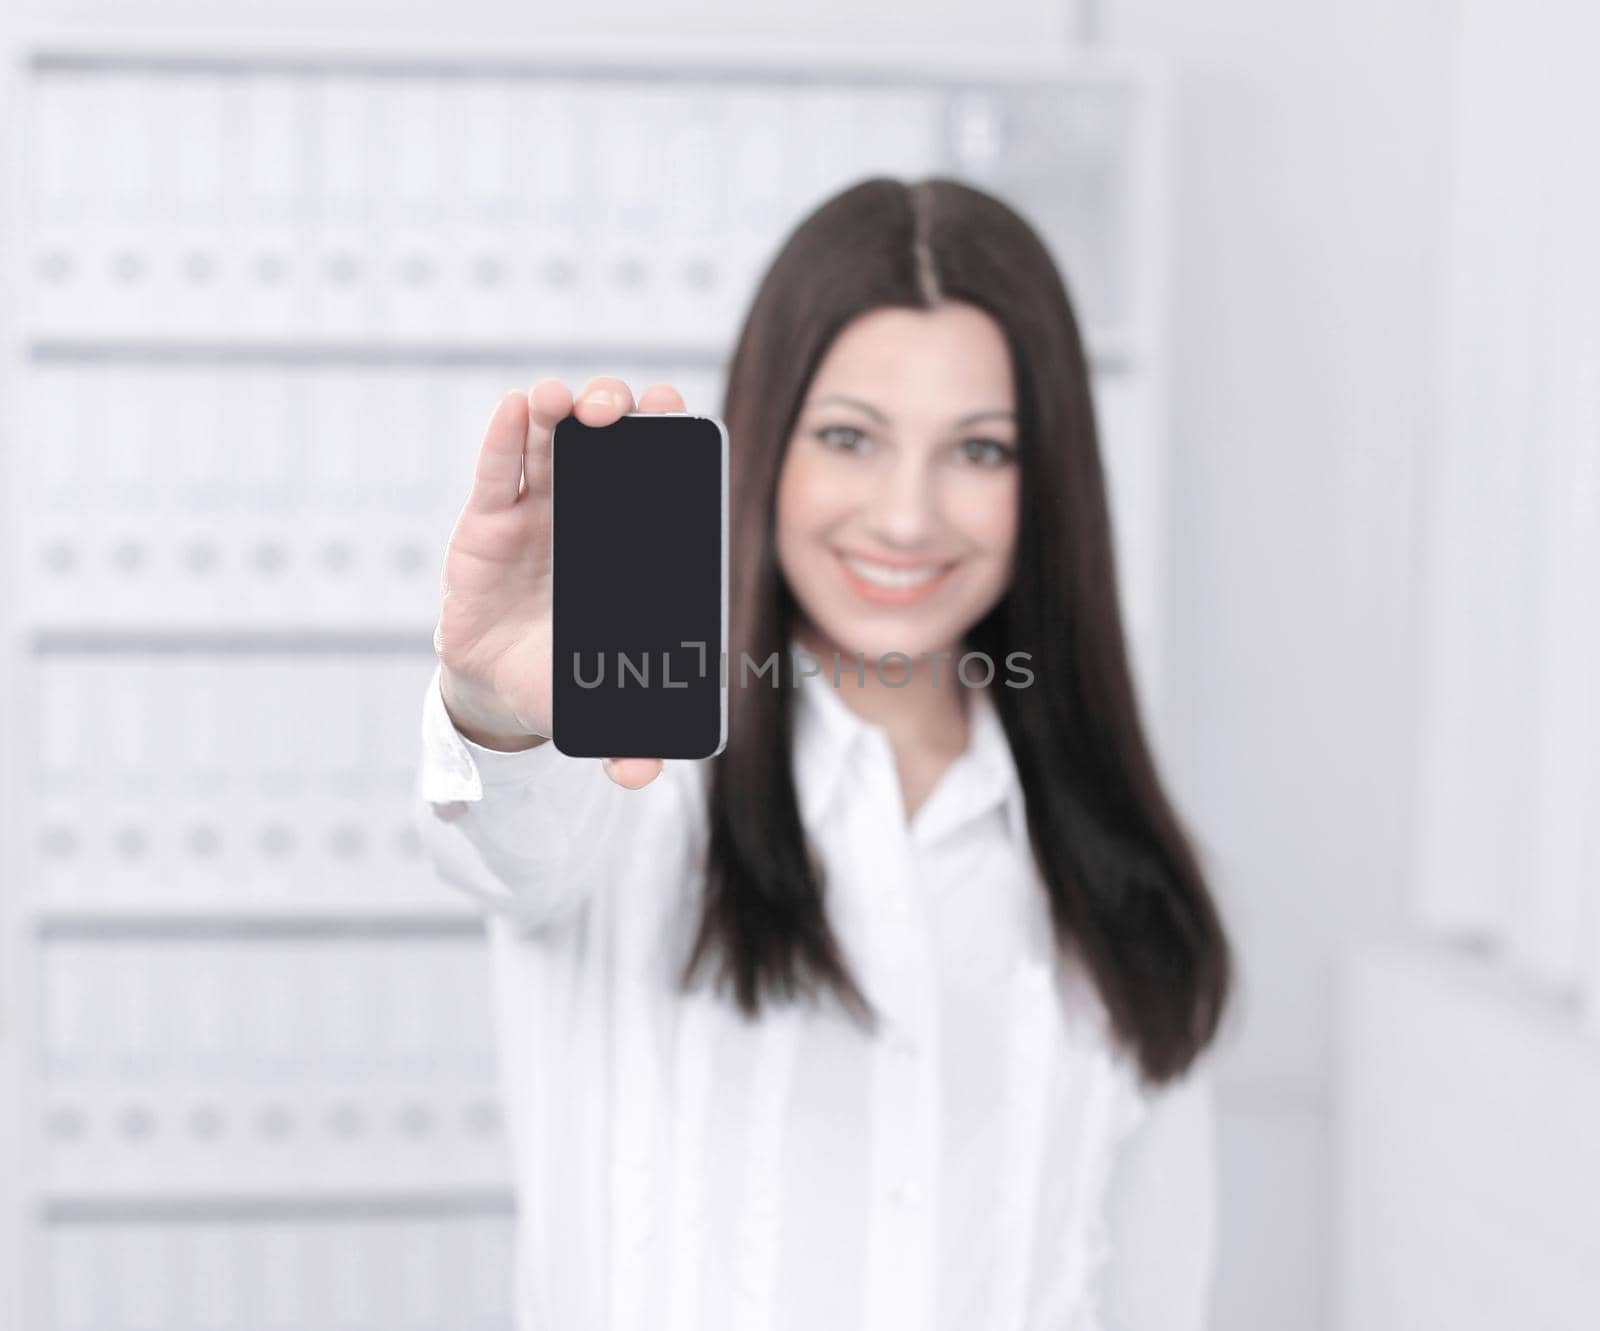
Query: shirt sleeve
<point x="528" y="833"/>
<point x="1161" y="1212"/>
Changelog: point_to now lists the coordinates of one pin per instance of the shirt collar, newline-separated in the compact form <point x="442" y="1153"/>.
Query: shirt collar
<point x="828" y="735"/>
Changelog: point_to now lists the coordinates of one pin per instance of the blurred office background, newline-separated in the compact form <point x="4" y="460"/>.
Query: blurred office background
<point x="266" y="276"/>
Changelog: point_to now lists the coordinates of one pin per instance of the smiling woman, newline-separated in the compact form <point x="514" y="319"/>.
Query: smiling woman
<point x="892" y="1014"/>
<point x="910" y="389"/>
<point x="890" y="494"/>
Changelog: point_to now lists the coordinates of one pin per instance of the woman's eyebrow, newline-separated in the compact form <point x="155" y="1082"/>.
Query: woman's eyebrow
<point x="855" y="402"/>
<point x="983" y="415"/>
<point x="872" y="411"/>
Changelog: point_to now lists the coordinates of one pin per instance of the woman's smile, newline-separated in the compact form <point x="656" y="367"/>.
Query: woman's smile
<point x="898" y="583"/>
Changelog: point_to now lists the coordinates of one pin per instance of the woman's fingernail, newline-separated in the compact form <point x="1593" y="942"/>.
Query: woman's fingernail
<point x="603" y="397"/>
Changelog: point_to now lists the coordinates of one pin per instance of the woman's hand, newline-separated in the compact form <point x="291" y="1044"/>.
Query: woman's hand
<point x="493" y="635"/>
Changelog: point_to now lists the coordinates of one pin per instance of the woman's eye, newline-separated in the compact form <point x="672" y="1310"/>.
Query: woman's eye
<point x="987" y="452"/>
<point x="850" y="442"/>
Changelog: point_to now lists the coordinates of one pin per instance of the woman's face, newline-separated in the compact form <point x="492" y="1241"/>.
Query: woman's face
<point x="897" y="502"/>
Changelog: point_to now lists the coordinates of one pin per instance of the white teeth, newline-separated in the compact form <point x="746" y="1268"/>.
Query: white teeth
<point x="881" y="575"/>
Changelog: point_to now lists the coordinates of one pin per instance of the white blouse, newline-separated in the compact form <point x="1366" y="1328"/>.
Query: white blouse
<point x="987" y="1162"/>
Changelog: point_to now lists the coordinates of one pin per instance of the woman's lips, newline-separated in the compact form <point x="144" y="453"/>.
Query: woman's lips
<point x="886" y="584"/>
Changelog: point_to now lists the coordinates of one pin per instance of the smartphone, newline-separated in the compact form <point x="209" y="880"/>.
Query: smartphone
<point x="639" y="586"/>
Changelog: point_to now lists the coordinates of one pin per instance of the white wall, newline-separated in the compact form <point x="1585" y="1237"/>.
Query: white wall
<point x="1469" y="1170"/>
<point x="1308" y="144"/>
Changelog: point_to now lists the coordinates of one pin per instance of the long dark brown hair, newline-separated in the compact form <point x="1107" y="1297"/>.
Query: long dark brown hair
<point x="1125" y="889"/>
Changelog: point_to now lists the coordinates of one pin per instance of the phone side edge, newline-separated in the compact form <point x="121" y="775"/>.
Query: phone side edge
<point x="555" y="725"/>
<point x="724" y="646"/>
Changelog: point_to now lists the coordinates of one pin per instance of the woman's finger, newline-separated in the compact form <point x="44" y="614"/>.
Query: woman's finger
<point x="661" y="397"/>
<point x="602" y="401"/>
<point x="548" y="403"/>
<point x="632" y="772"/>
<point x="497" y="474"/>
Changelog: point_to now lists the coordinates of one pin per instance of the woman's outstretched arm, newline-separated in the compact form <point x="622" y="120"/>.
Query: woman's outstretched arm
<point x="501" y="812"/>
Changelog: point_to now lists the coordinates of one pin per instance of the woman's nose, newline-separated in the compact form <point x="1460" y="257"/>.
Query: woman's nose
<point x="902" y="507"/>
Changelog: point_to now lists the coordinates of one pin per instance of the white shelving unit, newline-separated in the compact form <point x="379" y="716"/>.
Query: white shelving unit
<point x="264" y="292"/>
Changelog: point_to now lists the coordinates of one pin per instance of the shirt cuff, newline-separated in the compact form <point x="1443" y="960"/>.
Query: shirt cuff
<point x="457" y="768"/>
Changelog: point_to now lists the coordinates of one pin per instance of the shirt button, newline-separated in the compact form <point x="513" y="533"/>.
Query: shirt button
<point x="905" y="1194"/>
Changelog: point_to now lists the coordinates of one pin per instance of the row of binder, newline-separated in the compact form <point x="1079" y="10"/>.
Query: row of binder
<point x="387" y="287"/>
<point x="110" y="1141"/>
<point x="245" y="784"/>
<point x="662" y="154"/>
<point x="224" y="495"/>
<point x="326" y="204"/>
<point x="258" y="732"/>
<point x="119" y="862"/>
<point x="283" y="441"/>
<point x="234" y="1115"/>
<point x="265" y="1010"/>
<point x="336" y="1273"/>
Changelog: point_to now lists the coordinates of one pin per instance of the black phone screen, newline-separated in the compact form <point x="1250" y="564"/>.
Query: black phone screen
<point x="638" y="545"/>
